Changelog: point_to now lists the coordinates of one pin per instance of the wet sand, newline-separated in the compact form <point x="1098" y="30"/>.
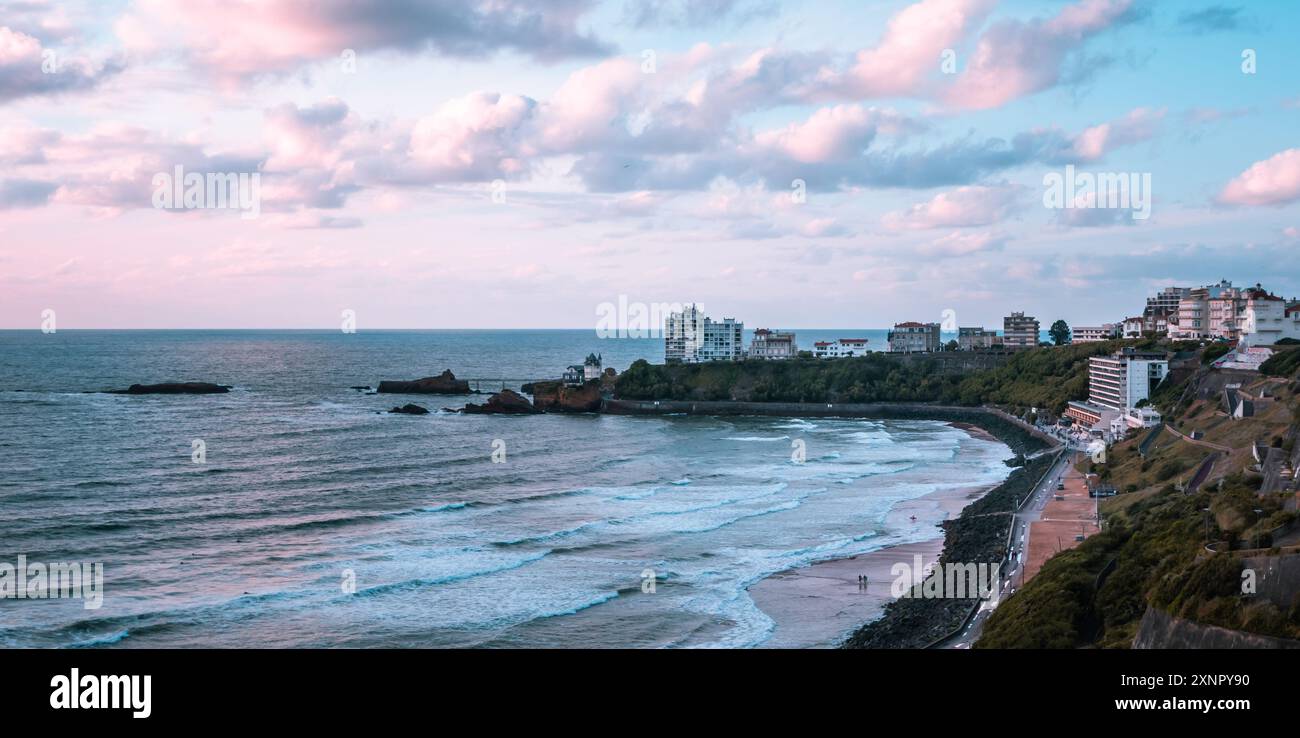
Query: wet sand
<point x="818" y="606"/>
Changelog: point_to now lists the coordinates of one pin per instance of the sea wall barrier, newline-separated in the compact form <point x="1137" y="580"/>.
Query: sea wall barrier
<point x="872" y="410"/>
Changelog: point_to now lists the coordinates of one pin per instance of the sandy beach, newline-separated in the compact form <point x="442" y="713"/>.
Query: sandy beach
<point x="817" y="606"/>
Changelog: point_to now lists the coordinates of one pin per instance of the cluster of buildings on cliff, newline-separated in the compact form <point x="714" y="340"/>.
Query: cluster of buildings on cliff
<point x="690" y="337"/>
<point x="1250" y="316"/>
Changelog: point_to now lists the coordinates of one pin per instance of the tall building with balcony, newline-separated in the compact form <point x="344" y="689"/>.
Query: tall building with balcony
<point x="1116" y="385"/>
<point x="914" y="338"/>
<point x="692" y="337"/>
<point x="1165" y="301"/>
<point x="1210" y="312"/>
<point x="1019" y="331"/>
<point x="769" y="344"/>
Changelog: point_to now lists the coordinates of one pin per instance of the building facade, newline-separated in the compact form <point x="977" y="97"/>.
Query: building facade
<point x="914" y="338"/>
<point x="1210" y="312"/>
<point x="842" y="348"/>
<point x="769" y="344"/>
<point x="591" y="368"/>
<point x="692" y="337"/>
<point x="1019" y="331"/>
<point x="977" y="339"/>
<point x="1094" y="334"/>
<point x="1116" y="385"/>
<point x="1133" y="327"/>
<point x="1266" y="319"/>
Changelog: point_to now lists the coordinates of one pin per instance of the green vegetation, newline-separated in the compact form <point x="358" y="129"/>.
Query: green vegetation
<point x="1282" y="364"/>
<point x="1152" y="552"/>
<point x="1043" y="378"/>
<point x="1060" y="333"/>
<point x="1214" y="351"/>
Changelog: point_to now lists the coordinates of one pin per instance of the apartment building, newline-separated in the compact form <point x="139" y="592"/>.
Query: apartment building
<point x="975" y="339"/>
<point x="914" y="338"/>
<point x="1116" y="385"/>
<point x="692" y="337"/>
<point x="840" y="348"/>
<point x="1166" y="300"/>
<point x="1019" y="331"/>
<point x="1267" y="319"/>
<point x="769" y="344"/>
<point x="1214" y="311"/>
<point x="1094" y="334"/>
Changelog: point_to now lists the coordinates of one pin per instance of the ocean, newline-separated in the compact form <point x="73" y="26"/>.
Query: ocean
<point x="318" y="520"/>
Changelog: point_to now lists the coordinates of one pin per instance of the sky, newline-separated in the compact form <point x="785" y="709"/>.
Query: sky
<point x="519" y="164"/>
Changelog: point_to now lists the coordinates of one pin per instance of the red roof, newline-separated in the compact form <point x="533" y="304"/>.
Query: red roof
<point x="909" y="324"/>
<point x="854" y="340"/>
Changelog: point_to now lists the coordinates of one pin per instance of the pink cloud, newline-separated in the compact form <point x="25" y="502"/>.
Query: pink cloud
<point x="1274" y="181"/>
<point x="962" y="244"/>
<point x="1016" y="58"/>
<point x="830" y="133"/>
<point x="912" y="45"/>
<point x="965" y="206"/>
<point x="241" y="39"/>
<point x="1138" y="125"/>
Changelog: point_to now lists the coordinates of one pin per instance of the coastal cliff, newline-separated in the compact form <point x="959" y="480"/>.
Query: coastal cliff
<point x="555" y="397"/>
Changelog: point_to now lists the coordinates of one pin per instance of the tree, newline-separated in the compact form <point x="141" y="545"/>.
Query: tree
<point x="951" y="346"/>
<point x="1060" y="333"/>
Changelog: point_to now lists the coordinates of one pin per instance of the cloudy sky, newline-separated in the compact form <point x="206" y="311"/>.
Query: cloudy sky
<point x="516" y="163"/>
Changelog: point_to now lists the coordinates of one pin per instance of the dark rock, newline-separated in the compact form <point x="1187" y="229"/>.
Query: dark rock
<point x="443" y="384"/>
<point x="174" y="388"/>
<point x="506" y="402"/>
<point x="409" y="409"/>
<point x="556" y="397"/>
<point x="362" y="388"/>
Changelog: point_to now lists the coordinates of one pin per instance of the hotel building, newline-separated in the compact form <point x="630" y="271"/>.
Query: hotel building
<point x="1116" y="384"/>
<point x="692" y="337"/>
<point x="1019" y="331"/>
<point x="768" y="344"/>
<point x="914" y="338"/>
<point x="844" y="347"/>
<point x="1093" y="334"/>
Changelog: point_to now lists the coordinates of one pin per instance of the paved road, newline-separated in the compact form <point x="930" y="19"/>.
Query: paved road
<point x="1029" y="512"/>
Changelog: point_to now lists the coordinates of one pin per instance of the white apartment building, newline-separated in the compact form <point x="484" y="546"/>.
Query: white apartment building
<point x="769" y="344"/>
<point x="914" y="338"/>
<point x="1267" y="320"/>
<point x="1125" y="378"/>
<point x="1019" y="331"/>
<point x="1132" y="327"/>
<point x="692" y="337"/>
<point x="842" y="348"/>
<point x="1116" y="384"/>
<point x="1094" y="334"/>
